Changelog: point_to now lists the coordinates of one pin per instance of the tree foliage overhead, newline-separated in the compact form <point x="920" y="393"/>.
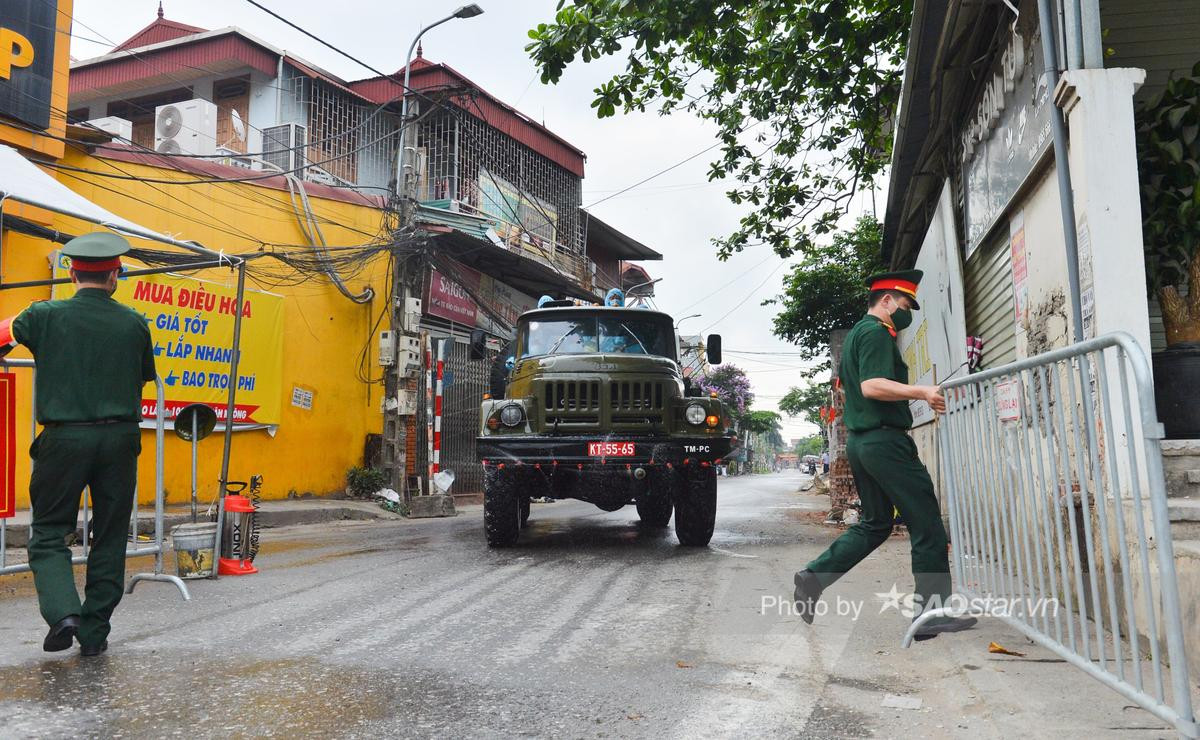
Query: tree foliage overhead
<point x="810" y="445"/>
<point x="767" y="424"/>
<point x="801" y="92"/>
<point x="826" y="290"/>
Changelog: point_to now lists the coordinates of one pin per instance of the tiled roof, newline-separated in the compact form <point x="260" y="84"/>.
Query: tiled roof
<point x="158" y="31"/>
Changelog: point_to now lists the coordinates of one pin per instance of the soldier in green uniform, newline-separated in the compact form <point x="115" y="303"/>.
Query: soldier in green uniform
<point x="883" y="458"/>
<point x="93" y="356"/>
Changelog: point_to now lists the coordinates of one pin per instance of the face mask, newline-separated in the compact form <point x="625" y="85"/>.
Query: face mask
<point x="901" y="319"/>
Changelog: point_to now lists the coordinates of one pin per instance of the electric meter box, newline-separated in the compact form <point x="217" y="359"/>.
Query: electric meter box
<point x="411" y="318"/>
<point x="406" y="403"/>
<point x="387" y="348"/>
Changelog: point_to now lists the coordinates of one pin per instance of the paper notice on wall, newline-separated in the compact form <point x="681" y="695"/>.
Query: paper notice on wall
<point x="302" y="398"/>
<point x="1087" y="291"/>
<point x="1008" y="400"/>
<point x="1020" y="269"/>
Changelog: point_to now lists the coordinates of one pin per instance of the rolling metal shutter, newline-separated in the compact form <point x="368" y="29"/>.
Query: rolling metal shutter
<point x="1159" y="36"/>
<point x="989" y="296"/>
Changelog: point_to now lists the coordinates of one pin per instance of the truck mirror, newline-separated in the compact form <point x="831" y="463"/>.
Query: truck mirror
<point x="713" y="347"/>
<point x="479" y="345"/>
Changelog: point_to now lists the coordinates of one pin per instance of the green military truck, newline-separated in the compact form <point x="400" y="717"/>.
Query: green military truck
<point x="592" y="405"/>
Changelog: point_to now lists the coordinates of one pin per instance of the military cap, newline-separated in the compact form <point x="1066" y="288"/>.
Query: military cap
<point x="99" y="251"/>
<point x="904" y="281"/>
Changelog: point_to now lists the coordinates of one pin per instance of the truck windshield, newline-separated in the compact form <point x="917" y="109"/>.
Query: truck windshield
<point x="616" y="334"/>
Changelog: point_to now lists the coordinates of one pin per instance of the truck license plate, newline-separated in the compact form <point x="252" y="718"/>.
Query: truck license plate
<point x="610" y="449"/>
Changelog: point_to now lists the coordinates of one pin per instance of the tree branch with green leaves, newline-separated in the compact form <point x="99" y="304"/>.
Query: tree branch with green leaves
<point x="815" y="81"/>
<point x="826" y="291"/>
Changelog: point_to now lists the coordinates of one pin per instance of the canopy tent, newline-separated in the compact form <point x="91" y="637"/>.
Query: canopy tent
<point x="22" y="181"/>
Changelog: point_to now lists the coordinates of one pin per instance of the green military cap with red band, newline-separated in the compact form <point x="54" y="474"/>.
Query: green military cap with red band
<point x="99" y="251"/>
<point x="904" y="281"/>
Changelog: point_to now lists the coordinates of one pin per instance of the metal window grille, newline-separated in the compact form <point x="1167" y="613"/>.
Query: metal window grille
<point x="534" y="202"/>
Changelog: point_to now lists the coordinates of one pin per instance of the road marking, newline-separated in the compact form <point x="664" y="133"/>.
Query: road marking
<point x="730" y="554"/>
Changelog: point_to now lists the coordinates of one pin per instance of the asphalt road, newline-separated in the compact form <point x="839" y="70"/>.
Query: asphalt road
<point x="591" y="627"/>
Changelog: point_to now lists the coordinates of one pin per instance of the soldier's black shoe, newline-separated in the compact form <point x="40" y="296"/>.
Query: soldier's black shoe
<point x="91" y="651"/>
<point x="62" y="635"/>
<point x="937" y="626"/>
<point x="808" y="592"/>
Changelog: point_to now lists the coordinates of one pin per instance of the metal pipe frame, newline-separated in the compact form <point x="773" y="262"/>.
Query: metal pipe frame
<point x="991" y="484"/>
<point x="1062" y="167"/>
<point x="222" y="262"/>
<point x="229" y="410"/>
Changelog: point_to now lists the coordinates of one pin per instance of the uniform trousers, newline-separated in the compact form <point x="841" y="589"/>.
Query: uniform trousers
<point x="888" y="473"/>
<point x="66" y="459"/>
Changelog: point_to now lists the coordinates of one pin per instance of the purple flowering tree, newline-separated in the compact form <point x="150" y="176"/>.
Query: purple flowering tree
<point x="731" y="385"/>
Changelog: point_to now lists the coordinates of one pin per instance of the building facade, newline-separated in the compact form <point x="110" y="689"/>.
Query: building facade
<point x="219" y="138"/>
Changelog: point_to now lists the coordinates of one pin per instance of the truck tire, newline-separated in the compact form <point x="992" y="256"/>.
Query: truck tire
<point x="696" y="507"/>
<point x="654" y="508"/>
<point x="524" y="511"/>
<point x="501" y="506"/>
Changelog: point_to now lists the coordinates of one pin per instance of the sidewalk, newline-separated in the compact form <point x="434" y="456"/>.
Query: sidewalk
<point x="281" y="513"/>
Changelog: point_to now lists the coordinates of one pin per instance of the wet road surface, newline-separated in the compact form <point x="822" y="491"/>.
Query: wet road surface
<point x="591" y="627"/>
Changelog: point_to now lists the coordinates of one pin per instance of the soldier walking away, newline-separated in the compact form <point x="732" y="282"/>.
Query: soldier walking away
<point x="93" y="356"/>
<point x="883" y="458"/>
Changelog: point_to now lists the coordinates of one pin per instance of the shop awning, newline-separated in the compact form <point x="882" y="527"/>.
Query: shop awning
<point x="23" y="182"/>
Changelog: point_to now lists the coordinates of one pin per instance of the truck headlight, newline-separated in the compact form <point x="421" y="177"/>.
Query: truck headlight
<point x="512" y="415"/>
<point x="695" y="414"/>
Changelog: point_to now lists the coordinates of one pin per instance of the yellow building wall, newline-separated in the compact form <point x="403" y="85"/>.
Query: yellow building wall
<point x="325" y="333"/>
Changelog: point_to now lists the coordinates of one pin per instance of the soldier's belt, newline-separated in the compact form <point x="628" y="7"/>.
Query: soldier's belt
<point x="86" y="423"/>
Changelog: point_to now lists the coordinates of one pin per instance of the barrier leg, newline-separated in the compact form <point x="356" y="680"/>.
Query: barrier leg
<point x="159" y="535"/>
<point x="162" y="578"/>
<point x="929" y="614"/>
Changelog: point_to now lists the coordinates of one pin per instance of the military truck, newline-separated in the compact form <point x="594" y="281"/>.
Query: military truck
<point x="593" y="405"/>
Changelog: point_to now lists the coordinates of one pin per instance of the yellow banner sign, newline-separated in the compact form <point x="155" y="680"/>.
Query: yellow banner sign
<point x="191" y="324"/>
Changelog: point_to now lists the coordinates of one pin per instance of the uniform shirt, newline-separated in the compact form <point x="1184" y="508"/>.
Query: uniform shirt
<point x="93" y="355"/>
<point x="869" y="352"/>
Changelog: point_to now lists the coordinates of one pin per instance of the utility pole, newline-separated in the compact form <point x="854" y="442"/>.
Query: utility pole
<point x="398" y="380"/>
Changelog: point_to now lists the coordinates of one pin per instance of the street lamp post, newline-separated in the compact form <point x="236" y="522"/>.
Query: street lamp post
<point x="395" y="424"/>
<point x="403" y="166"/>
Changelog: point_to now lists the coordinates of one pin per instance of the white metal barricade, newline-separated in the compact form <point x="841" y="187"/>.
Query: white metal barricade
<point x="1058" y="516"/>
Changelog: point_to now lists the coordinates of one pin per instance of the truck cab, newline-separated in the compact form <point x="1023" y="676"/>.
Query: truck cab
<point x="596" y="407"/>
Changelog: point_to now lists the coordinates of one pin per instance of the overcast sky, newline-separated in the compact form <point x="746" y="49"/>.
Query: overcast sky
<point x="676" y="214"/>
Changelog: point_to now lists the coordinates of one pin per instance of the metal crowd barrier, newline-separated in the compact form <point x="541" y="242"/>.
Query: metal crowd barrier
<point x="156" y="548"/>
<point x="1058" y="516"/>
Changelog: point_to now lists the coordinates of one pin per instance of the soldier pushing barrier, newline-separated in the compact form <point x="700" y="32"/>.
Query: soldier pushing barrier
<point x="883" y="458"/>
<point x="93" y="356"/>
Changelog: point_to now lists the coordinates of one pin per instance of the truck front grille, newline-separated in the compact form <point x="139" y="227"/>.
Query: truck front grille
<point x="572" y="396"/>
<point x="635" y="395"/>
<point x="628" y="406"/>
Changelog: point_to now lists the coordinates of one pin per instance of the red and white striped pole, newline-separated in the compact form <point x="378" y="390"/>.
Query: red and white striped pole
<point x="428" y="413"/>
<point x="437" y="408"/>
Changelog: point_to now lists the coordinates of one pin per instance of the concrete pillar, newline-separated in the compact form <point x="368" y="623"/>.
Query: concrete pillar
<point x="1098" y="104"/>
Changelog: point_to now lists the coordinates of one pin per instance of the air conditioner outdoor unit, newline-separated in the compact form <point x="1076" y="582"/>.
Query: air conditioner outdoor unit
<point x="189" y="127"/>
<point x="121" y="128"/>
<point x="234" y="159"/>
<point x="285" y="146"/>
<point x="318" y="175"/>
